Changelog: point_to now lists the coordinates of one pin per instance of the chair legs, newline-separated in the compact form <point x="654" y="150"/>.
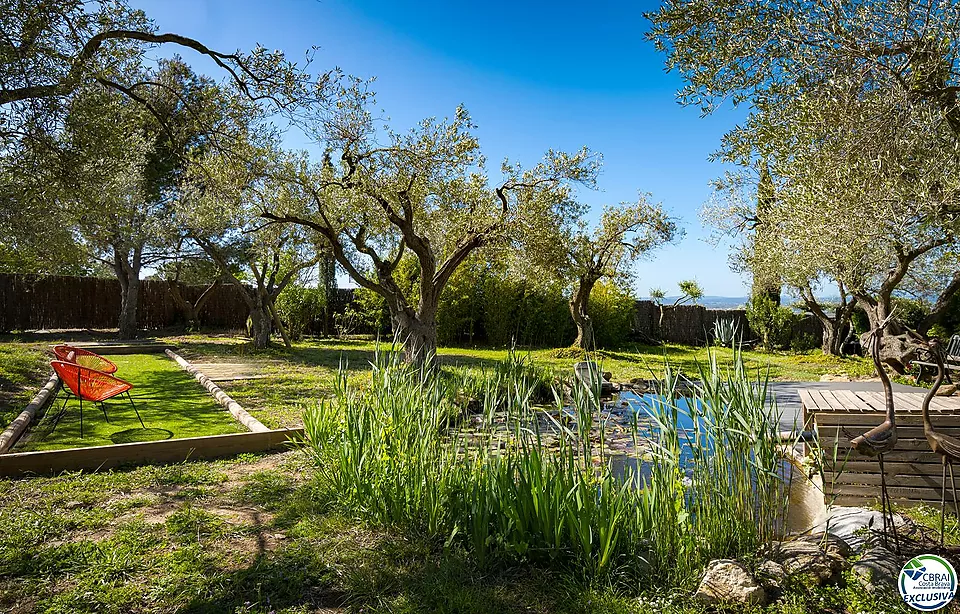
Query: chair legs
<point x="130" y="398"/>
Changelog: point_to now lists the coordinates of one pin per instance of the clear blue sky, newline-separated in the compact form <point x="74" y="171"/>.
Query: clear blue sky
<point x="533" y="76"/>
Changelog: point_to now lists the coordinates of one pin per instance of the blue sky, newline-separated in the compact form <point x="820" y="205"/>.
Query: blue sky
<point x="533" y="76"/>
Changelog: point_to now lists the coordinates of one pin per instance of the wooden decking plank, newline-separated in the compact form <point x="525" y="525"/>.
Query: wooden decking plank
<point x="945" y="404"/>
<point x="807" y="400"/>
<point x="821" y="400"/>
<point x="832" y="401"/>
<point x="851" y="400"/>
<point x="904" y="402"/>
<point x="867" y="400"/>
<point x="903" y="419"/>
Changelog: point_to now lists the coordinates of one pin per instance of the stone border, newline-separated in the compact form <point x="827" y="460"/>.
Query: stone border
<point x="96" y="458"/>
<point x="16" y="428"/>
<point x="222" y="397"/>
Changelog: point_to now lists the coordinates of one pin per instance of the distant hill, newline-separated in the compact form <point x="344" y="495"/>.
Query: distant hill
<point x="714" y="302"/>
<point x="740" y="302"/>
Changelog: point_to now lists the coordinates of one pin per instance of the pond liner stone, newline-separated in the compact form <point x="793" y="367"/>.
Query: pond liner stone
<point x="15" y="430"/>
<point x="222" y="397"/>
<point x="96" y="458"/>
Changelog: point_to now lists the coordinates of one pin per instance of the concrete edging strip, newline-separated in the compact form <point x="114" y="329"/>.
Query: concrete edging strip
<point x="20" y="424"/>
<point x="238" y="412"/>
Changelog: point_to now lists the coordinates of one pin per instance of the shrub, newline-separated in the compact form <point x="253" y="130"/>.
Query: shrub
<point x="300" y="308"/>
<point x="772" y="322"/>
<point x="385" y="449"/>
<point x="612" y="309"/>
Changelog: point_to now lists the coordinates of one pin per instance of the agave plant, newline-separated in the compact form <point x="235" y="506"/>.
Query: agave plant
<point x="725" y="331"/>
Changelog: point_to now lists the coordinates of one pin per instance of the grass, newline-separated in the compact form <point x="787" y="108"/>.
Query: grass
<point x="308" y="371"/>
<point x="171" y="404"/>
<point x="22" y="372"/>
<point x="386" y="451"/>
<point x="260" y="534"/>
<point x="294" y="379"/>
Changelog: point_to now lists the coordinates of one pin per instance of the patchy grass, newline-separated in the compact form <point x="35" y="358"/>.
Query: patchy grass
<point x="295" y="379"/>
<point x="23" y="369"/>
<point x="171" y="403"/>
<point x="261" y="534"/>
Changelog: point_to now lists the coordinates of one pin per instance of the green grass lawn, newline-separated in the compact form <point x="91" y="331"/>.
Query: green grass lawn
<point x="23" y="370"/>
<point x="171" y="403"/>
<point x="299" y="377"/>
<point x="265" y="534"/>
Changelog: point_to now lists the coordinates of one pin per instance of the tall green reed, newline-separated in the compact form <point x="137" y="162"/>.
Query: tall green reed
<point x="526" y="485"/>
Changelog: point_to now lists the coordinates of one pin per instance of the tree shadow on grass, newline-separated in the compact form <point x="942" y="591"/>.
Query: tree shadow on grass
<point x="140" y="435"/>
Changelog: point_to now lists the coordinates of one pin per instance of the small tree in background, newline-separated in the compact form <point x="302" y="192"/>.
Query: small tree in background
<point x="690" y="292"/>
<point x="625" y="234"/>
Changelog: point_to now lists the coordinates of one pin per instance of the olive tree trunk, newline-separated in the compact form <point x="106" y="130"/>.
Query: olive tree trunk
<point x="260" y="326"/>
<point x="418" y="333"/>
<point x="127" y="265"/>
<point x="579" y="311"/>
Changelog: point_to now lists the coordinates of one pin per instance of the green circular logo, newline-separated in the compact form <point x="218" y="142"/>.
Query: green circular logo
<point x="927" y="582"/>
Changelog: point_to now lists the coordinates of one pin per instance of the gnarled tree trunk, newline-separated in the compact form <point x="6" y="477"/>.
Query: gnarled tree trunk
<point x="579" y="311"/>
<point x="128" y="274"/>
<point x="260" y="326"/>
<point x="418" y="333"/>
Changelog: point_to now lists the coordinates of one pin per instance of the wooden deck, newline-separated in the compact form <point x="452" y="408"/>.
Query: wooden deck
<point x="913" y="470"/>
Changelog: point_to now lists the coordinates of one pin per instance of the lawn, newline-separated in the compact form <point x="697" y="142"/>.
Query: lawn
<point x="272" y="534"/>
<point x="296" y="379"/>
<point x="171" y="403"/>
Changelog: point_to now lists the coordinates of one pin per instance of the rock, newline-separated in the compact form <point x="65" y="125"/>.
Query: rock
<point x="822" y="557"/>
<point x="849" y="524"/>
<point x="725" y="582"/>
<point x="771" y="575"/>
<point x="947" y="391"/>
<point x="877" y="566"/>
<point x="829" y="377"/>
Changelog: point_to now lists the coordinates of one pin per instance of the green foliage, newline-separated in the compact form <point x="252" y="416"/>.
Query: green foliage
<point x="300" y="308"/>
<point x="772" y="322"/>
<point x="909" y="311"/>
<point x="384" y="449"/>
<point x="612" y="308"/>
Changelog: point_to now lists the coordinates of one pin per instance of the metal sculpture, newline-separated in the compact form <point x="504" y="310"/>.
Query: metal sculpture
<point x="882" y="438"/>
<point x="947" y="447"/>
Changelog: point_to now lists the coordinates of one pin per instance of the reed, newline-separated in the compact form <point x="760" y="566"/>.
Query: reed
<point x="525" y="486"/>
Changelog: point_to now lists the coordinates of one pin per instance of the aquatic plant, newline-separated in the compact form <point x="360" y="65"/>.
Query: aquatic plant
<point x="531" y="485"/>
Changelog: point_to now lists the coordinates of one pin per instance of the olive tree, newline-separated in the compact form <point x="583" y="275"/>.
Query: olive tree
<point x="122" y="170"/>
<point x="855" y="105"/>
<point x="690" y="291"/>
<point x="219" y="208"/>
<point x="378" y="195"/>
<point x="624" y="234"/>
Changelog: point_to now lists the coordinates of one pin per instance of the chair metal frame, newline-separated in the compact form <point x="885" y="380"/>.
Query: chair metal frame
<point x="116" y="387"/>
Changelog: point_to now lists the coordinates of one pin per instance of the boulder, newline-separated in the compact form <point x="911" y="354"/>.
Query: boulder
<point x="877" y="566"/>
<point x="829" y="377"/>
<point x="821" y="557"/>
<point x="947" y="391"/>
<point x="726" y="581"/>
<point x="771" y="575"/>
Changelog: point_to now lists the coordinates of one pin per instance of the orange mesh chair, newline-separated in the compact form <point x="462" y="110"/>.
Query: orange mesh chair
<point x="92" y="385"/>
<point x="84" y="358"/>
